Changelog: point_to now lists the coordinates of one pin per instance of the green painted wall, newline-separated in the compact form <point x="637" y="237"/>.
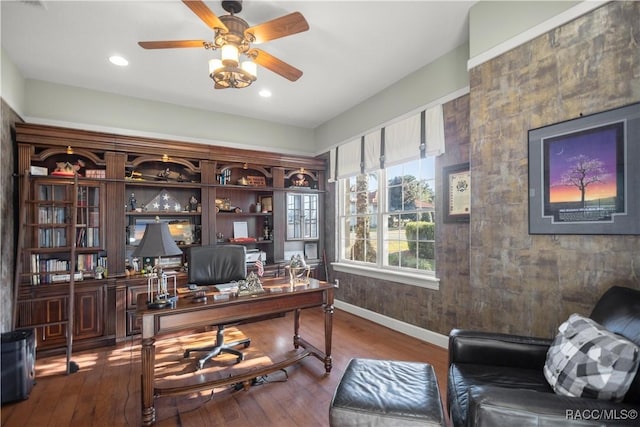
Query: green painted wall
<point x="493" y="22"/>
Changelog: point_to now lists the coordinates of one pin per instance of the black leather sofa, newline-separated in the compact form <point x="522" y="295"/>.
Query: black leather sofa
<point x="498" y="380"/>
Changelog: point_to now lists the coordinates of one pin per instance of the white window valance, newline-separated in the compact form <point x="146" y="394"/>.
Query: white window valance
<point x="418" y="135"/>
<point x="402" y="141"/>
<point x="434" y="125"/>
<point x="348" y="157"/>
<point x="372" y="151"/>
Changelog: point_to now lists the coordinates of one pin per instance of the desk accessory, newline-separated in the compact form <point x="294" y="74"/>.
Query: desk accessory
<point x="157" y="243"/>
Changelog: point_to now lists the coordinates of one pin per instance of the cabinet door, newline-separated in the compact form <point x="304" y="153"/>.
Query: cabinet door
<point x="55" y="311"/>
<point x="89" y="313"/>
<point x="302" y="216"/>
<point x="48" y="311"/>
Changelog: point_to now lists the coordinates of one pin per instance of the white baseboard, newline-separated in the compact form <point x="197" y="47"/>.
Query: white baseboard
<point x="406" y="328"/>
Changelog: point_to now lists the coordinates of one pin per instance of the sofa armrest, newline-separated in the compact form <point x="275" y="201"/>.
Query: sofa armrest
<point x="494" y="406"/>
<point x="487" y="348"/>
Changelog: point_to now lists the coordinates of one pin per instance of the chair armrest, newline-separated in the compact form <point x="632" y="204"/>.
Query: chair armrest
<point x="487" y="348"/>
<point x="494" y="406"/>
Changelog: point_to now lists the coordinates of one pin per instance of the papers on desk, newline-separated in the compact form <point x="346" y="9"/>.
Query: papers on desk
<point x="227" y="287"/>
<point x="220" y="291"/>
<point x="221" y="296"/>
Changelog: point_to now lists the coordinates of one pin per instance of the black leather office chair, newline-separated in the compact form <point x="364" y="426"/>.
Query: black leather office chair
<point x="212" y="265"/>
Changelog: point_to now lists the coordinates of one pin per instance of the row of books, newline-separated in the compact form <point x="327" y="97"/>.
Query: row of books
<point x="52" y="237"/>
<point x="54" y="270"/>
<point x="58" y="215"/>
<point x="52" y="215"/>
<point x="88" y="237"/>
<point x="89" y="262"/>
<point x="90" y="216"/>
<point x="52" y="193"/>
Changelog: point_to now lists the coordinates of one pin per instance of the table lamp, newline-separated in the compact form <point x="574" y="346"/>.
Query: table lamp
<point x="157" y="243"/>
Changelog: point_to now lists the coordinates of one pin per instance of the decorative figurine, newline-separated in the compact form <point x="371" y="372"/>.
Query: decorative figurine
<point x="300" y="181"/>
<point x="251" y="286"/>
<point x="132" y="202"/>
<point x="164" y="174"/>
<point x="68" y="169"/>
<point x="193" y="204"/>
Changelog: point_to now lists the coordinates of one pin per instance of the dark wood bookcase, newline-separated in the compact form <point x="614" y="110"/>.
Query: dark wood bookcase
<point x="80" y="229"/>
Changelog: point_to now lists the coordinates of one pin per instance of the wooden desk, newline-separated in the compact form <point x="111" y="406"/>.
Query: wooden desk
<point x="278" y="298"/>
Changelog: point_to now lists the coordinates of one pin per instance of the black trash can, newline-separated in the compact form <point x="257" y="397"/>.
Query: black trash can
<point x="18" y="364"/>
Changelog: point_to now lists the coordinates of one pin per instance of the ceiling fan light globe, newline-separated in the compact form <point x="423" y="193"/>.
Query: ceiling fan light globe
<point x="250" y="67"/>
<point x="214" y="64"/>
<point x="229" y="55"/>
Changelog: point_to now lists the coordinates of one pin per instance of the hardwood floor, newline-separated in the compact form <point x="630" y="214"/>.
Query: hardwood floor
<point x="106" y="389"/>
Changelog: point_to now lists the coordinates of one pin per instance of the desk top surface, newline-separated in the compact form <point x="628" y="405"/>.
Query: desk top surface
<point x="273" y="288"/>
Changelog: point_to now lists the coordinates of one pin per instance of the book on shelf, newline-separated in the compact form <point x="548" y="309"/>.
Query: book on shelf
<point x="65" y="277"/>
<point x="94" y="218"/>
<point x="35" y="269"/>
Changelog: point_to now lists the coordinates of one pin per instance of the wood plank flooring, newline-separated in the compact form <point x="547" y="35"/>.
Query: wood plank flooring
<point x="106" y="389"/>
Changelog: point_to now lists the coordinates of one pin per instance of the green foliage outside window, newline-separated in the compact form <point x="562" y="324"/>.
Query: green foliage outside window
<point x="421" y="232"/>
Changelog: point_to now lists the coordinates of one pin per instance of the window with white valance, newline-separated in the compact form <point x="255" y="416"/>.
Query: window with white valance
<point x="386" y="200"/>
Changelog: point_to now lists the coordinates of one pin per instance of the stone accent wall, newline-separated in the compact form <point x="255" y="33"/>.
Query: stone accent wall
<point x="494" y="275"/>
<point x="523" y="283"/>
<point x="8" y="212"/>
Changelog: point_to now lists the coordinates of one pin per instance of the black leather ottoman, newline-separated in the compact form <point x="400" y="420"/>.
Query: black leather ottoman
<point x="386" y="393"/>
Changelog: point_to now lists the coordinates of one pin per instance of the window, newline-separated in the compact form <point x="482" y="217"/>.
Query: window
<point x="387" y="218"/>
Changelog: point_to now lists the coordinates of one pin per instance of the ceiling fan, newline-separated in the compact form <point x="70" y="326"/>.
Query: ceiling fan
<point x="233" y="36"/>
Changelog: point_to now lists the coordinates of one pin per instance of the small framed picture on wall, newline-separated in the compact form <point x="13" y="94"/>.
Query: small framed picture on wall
<point x="457" y="193"/>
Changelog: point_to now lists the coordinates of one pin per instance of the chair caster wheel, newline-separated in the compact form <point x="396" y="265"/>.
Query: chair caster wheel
<point x="186" y="354"/>
<point x="239" y="359"/>
<point x="247" y="344"/>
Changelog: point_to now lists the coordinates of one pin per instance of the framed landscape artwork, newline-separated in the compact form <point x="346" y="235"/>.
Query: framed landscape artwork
<point x="582" y="178"/>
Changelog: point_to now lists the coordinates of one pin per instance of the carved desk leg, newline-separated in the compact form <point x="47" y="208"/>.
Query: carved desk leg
<point x="148" y="368"/>
<point x="296" y="328"/>
<point x="328" y="328"/>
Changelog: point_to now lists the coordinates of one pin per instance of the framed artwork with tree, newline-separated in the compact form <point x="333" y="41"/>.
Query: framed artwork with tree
<point x="582" y="178"/>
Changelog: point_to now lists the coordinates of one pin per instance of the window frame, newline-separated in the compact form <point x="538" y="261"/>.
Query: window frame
<point x="381" y="269"/>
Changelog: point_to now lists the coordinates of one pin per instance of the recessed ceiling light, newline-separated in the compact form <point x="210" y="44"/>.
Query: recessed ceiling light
<point x="265" y="93"/>
<point x="118" y="60"/>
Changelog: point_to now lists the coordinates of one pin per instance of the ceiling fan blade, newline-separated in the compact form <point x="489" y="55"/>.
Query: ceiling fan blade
<point x="280" y="27"/>
<point x="169" y="44"/>
<point x="205" y="14"/>
<point x="274" y="64"/>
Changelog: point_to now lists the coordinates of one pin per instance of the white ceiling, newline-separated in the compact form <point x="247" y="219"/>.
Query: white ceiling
<point x="352" y="50"/>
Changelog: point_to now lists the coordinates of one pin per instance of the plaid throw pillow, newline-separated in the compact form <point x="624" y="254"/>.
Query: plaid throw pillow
<point x="586" y="360"/>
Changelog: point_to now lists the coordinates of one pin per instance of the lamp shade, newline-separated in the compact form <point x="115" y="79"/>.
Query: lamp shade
<point x="157" y="242"/>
